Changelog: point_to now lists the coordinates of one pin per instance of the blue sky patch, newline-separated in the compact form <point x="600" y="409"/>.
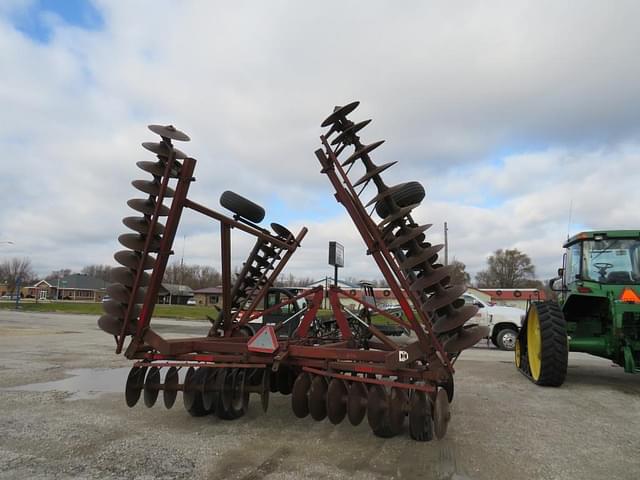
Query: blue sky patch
<point x="37" y="20"/>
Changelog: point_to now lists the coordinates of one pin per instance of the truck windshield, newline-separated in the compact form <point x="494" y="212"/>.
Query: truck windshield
<point x="611" y="260"/>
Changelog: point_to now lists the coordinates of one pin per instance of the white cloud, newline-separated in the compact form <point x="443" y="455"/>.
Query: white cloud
<point x="505" y="112"/>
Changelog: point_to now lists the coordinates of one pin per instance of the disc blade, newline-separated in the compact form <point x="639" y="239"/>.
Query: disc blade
<point x="189" y="392"/>
<point x="428" y="280"/>
<point x="437" y="301"/>
<point x="152" y="188"/>
<point x="170" y="391"/>
<point x="136" y="242"/>
<point x="240" y="397"/>
<point x="162" y="149"/>
<point x="133" y="387"/>
<point x="398" y="404"/>
<point x="361" y="152"/>
<point x="423" y="257"/>
<point x="119" y="310"/>
<point x="210" y="396"/>
<point x="110" y="324"/>
<point x="169" y="131"/>
<point x="339" y="112"/>
<point x="377" y="406"/>
<point x="152" y="387"/>
<point x="299" y="395"/>
<point x="226" y="395"/>
<point x="456" y="319"/>
<point x="408" y="236"/>
<point x="133" y="260"/>
<point x="123" y="294"/>
<point x="394" y="217"/>
<point x="142" y="225"/>
<point x="318" y="398"/>
<point x="466" y="338"/>
<point x="126" y="277"/>
<point x="356" y="403"/>
<point x="281" y="231"/>
<point x="158" y="168"/>
<point x="441" y="414"/>
<point x="146" y="206"/>
<point x="352" y="130"/>
<point x="372" y="173"/>
<point x="337" y="400"/>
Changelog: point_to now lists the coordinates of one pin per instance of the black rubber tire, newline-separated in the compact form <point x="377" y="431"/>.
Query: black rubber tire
<point x="420" y="417"/>
<point x="554" y="349"/>
<point x="499" y="339"/>
<point x="242" y="207"/>
<point x="408" y="194"/>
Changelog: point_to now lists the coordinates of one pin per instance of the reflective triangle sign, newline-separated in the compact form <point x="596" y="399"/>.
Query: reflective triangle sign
<point x="264" y="341"/>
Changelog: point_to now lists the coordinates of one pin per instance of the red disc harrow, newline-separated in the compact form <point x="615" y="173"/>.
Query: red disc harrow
<point x="351" y="370"/>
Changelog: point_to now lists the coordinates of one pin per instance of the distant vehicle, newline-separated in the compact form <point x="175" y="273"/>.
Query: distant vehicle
<point x="106" y="298"/>
<point x="504" y="322"/>
<point x="192" y="301"/>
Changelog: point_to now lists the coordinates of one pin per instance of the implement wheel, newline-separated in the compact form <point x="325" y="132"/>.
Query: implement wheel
<point x="541" y="350"/>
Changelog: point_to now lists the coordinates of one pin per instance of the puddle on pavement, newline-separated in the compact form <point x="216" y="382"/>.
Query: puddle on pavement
<point x="84" y="384"/>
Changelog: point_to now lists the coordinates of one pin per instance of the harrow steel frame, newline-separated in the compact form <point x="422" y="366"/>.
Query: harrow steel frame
<point x="321" y="369"/>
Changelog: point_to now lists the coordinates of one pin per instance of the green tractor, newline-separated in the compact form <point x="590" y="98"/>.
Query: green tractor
<point x="598" y="311"/>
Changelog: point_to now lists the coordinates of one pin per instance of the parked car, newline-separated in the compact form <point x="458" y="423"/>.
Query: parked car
<point x="504" y="322"/>
<point x="192" y="301"/>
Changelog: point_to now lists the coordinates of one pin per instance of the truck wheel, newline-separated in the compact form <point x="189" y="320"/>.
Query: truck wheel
<point x="547" y="349"/>
<point x="506" y="339"/>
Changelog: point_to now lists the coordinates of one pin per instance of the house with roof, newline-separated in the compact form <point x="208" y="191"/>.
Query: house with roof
<point x="77" y="287"/>
<point x="208" y="296"/>
<point x="174" y="294"/>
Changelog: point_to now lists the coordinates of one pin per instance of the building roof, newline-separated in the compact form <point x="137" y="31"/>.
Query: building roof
<point x="209" y="290"/>
<point x="175" y="289"/>
<point x="77" y="281"/>
<point x="514" y="293"/>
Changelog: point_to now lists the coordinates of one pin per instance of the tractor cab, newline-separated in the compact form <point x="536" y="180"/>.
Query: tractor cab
<point x="601" y="258"/>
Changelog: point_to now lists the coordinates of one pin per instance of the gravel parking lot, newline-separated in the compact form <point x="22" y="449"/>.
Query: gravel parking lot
<point x="502" y="426"/>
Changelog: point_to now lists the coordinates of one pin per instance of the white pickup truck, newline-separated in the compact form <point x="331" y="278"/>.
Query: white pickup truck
<point x="504" y="322"/>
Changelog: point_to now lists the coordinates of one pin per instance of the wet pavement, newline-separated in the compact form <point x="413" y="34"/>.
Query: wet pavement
<point x="64" y="416"/>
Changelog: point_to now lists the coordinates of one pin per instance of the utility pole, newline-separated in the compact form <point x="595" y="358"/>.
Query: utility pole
<point x="446" y="244"/>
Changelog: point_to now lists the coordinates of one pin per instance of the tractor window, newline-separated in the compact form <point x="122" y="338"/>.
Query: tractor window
<point x="573" y="263"/>
<point x="611" y="261"/>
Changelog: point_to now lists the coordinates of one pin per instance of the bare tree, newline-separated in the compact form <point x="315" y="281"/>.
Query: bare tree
<point x="195" y="276"/>
<point x="64" y="272"/>
<point x="459" y="275"/>
<point x="16" y="269"/>
<point x="102" y="272"/>
<point x="506" y="269"/>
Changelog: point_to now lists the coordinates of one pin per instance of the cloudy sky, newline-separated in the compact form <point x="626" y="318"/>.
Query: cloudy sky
<point x="511" y="114"/>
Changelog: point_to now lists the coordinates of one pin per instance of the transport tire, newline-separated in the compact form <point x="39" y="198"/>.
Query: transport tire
<point x="409" y="194"/>
<point x="242" y="206"/>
